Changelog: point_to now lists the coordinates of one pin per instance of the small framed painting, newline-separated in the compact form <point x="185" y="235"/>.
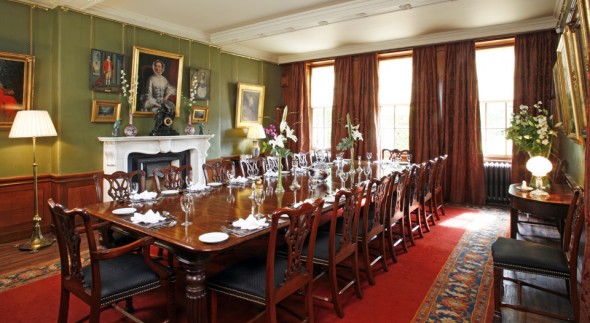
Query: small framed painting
<point x="200" y="83"/>
<point x="105" y="111"/>
<point x="16" y="86"/>
<point x="105" y="71"/>
<point x="249" y="105"/>
<point x="199" y="114"/>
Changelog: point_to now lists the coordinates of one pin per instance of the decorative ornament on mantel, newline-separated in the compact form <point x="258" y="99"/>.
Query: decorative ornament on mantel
<point x="129" y="91"/>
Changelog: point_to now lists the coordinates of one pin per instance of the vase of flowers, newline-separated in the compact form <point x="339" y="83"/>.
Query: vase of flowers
<point x="348" y="142"/>
<point x="190" y="128"/>
<point x="129" y="91"/>
<point x="532" y="130"/>
<point x="276" y="146"/>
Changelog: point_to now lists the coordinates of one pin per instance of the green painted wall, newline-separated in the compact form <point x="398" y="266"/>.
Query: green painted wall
<point x="573" y="152"/>
<point x="61" y="41"/>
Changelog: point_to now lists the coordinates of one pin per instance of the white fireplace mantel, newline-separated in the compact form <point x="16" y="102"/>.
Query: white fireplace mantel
<point x="116" y="150"/>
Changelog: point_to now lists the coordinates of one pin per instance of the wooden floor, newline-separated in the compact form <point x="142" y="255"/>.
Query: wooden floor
<point x="11" y="259"/>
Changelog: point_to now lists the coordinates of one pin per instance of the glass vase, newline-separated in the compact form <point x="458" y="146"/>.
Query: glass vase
<point x="280" y="188"/>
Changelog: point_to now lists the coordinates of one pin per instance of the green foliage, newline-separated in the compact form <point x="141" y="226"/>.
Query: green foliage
<point x="532" y="130"/>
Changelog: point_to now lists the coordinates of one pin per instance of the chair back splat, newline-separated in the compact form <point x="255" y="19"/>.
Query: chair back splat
<point x="532" y="258"/>
<point x="216" y="171"/>
<point x="171" y="177"/>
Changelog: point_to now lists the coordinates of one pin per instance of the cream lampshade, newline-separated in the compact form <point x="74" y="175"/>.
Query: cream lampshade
<point x="33" y="124"/>
<point x="539" y="167"/>
<point x="255" y="133"/>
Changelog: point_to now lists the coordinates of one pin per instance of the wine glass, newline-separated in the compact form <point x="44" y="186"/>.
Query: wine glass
<point x="343" y="177"/>
<point x="231" y="174"/>
<point x="409" y="158"/>
<point x="134" y="188"/>
<point x="295" y="167"/>
<point x="259" y="199"/>
<point x="368" y="171"/>
<point x="360" y="168"/>
<point x="369" y="156"/>
<point x="189" y="182"/>
<point x="186" y="203"/>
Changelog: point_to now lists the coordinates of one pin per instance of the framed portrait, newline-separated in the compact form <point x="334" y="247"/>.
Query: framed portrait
<point x="105" y="111"/>
<point x="568" y="109"/>
<point x="105" y="71"/>
<point x="249" y="105"/>
<point x="200" y="83"/>
<point x="199" y="114"/>
<point x="577" y="76"/>
<point x="16" y="86"/>
<point x="159" y="80"/>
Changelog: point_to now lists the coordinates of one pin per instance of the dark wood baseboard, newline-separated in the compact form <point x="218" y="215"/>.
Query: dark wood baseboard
<point x="17" y="196"/>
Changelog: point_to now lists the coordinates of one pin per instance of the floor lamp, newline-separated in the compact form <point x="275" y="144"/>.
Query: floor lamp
<point x="33" y="124"/>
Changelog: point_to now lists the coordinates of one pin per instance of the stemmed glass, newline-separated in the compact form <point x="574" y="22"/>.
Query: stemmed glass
<point x="369" y="156"/>
<point x="360" y="168"/>
<point x="134" y="188"/>
<point x="189" y="182"/>
<point x="409" y="158"/>
<point x="343" y="177"/>
<point x="186" y="203"/>
<point x="231" y="174"/>
<point x="259" y="199"/>
<point x="368" y="171"/>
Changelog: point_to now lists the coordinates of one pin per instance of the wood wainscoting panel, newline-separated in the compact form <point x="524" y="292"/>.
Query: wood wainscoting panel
<point x="16" y="201"/>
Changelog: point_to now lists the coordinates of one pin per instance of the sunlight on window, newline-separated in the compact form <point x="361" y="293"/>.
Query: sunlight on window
<point x="495" y="77"/>
<point x="395" y="90"/>
<point x="322" y="96"/>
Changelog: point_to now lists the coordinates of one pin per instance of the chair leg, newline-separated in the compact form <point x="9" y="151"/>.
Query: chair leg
<point x="356" y="275"/>
<point x="129" y="305"/>
<point x="334" y="290"/>
<point x="213" y="308"/>
<point x="309" y="301"/>
<point x="402" y="229"/>
<point x="94" y="313"/>
<point x="171" y="297"/>
<point x="383" y="256"/>
<point x="367" y="261"/>
<point x="498" y="293"/>
<point x="271" y="313"/>
<point x="391" y="244"/>
<point x="64" y="305"/>
<point x="422" y="213"/>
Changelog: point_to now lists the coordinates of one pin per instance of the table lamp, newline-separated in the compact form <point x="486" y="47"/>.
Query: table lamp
<point x="256" y="132"/>
<point x="539" y="167"/>
<point x="33" y="124"/>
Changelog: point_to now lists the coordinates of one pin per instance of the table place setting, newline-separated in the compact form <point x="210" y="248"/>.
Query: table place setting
<point x="197" y="187"/>
<point x="240" y="180"/>
<point x="152" y="220"/>
<point x="144" y="196"/>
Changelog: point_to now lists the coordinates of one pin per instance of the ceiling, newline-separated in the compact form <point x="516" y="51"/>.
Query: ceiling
<point x="288" y="31"/>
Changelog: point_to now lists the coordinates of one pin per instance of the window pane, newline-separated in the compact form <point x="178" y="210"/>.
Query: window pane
<point x="402" y="116"/>
<point x="322" y="94"/>
<point x="496" y="142"/>
<point x="318" y="117"/>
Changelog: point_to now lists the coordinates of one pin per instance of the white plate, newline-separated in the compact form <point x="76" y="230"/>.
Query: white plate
<point x="124" y="211"/>
<point x="169" y="192"/>
<point x="215" y="184"/>
<point x="525" y="189"/>
<point x="213" y="237"/>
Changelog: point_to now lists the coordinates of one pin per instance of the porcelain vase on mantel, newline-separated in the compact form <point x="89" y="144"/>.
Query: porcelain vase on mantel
<point x="189" y="129"/>
<point x="130" y="130"/>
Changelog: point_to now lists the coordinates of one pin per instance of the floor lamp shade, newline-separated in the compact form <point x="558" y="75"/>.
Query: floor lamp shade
<point x="33" y="124"/>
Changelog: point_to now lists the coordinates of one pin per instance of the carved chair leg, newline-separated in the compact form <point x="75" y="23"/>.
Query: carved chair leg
<point x="498" y="293"/>
<point x="64" y="305"/>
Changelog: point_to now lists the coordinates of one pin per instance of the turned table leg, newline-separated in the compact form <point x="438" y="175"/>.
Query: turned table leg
<point x="196" y="293"/>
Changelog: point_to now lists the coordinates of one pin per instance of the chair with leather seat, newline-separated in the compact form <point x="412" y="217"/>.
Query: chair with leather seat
<point x="522" y="256"/>
<point x="271" y="279"/>
<point x="427" y="208"/>
<point x="118" y="188"/>
<point x="250" y="165"/>
<point x="439" y="184"/>
<point x="395" y="226"/>
<point x="171" y="177"/>
<point x="412" y="203"/>
<point x="216" y="171"/>
<point x="339" y="244"/>
<point x="112" y="275"/>
<point x="372" y="224"/>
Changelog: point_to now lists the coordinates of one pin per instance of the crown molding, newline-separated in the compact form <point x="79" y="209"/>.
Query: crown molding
<point x="445" y="37"/>
<point x="351" y="10"/>
<point x="248" y="52"/>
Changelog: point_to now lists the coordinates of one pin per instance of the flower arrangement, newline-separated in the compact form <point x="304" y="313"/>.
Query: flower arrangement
<point x="533" y="133"/>
<point x="347" y="143"/>
<point x="276" y="145"/>
<point x="129" y="90"/>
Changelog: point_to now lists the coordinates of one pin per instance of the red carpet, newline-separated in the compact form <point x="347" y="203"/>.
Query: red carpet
<point x="396" y="296"/>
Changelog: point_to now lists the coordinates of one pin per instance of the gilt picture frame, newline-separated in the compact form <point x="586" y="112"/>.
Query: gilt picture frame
<point x="569" y="108"/>
<point x="16" y="86"/>
<point x="159" y="80"/>
<point x="199" y="114"/>
<point x="577" y="76"/>
<point x="249" y="105"/>
<point x="105" y="71"/>
<point x="105" y="111"/>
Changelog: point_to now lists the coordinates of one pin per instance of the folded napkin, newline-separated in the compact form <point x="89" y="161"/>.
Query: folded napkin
<point x="198" y="187"/>
<point x="251" y="223"/>
<point x="270" y="173"/>
<point x="298" y="204"/>
<point x="148" y="217"/>
<point x="145" y="195"/>
<point x="239" y="180"/>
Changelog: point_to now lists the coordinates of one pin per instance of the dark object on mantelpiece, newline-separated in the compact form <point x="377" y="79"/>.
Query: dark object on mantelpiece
<point x="164" y="119"/>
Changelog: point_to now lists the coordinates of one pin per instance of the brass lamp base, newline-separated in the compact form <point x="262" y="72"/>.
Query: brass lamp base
<point x="36" y="242"/>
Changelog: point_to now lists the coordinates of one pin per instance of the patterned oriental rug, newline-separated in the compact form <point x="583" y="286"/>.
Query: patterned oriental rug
<point x="452" y="297"/>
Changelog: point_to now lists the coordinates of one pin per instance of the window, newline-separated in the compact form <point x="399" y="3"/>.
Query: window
<point x="395" y="90"/>
<point x="322" y="97"/>
<point x="495" y="77"/>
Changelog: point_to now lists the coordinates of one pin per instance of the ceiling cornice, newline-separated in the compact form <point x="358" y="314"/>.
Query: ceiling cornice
<point x="352" y="10"/>
<point x="445" y="37"/>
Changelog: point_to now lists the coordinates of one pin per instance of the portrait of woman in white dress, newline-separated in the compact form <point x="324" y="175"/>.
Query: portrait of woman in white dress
<point x="158" y="90"/>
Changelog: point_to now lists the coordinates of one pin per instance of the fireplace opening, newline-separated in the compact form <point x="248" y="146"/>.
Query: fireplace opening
<point x="149" y="162"/>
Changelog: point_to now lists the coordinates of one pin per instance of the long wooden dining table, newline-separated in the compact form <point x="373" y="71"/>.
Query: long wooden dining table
<point x="214" y="210"/>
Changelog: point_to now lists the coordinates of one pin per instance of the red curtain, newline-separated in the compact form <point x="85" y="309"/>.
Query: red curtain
<point x="298" y="102"/>
<point x="356" y="88"/>
<point x="461" y="122"/>
<point x="424" y="107"/>
<point x="534" y="56"/>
